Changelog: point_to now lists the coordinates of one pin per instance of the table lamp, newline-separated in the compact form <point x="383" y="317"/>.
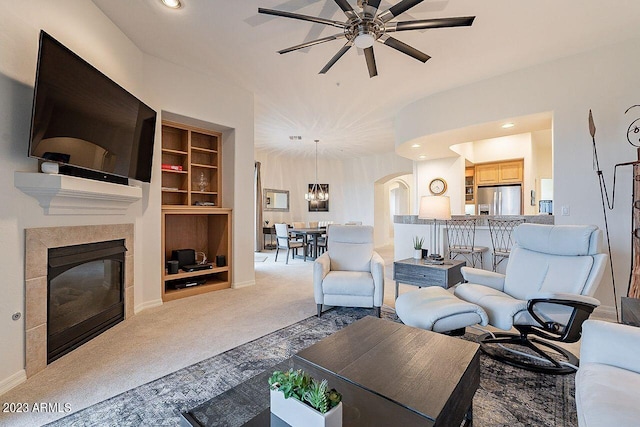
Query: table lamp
<point x="437" y="208"/>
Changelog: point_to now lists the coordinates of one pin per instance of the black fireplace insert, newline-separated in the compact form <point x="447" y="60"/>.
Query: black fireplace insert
<point x="85" y="294"/>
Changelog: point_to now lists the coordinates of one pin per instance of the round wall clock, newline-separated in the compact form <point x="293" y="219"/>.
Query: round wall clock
<point x="437" y="186"/>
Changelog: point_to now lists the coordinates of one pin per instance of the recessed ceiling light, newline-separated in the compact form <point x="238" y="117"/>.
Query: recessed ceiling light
<point x="422" y="157"/>
<point x="507" y="125"/>
<point x="415" y="146"/>
<point x="173" y="4"/>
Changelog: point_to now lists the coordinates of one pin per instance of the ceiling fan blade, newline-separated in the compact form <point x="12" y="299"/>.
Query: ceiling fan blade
<point x="399" y="8"/>
<point x="371" y="62"/>
<point x="312" y="43"/>
<point x="347" y="8"/>
<point x="423" y="24"/>
<point x="404" y="48"/>
<point x="370" y="7"/>
<point x="301" y="17"/>
<point x="337" y="56"/>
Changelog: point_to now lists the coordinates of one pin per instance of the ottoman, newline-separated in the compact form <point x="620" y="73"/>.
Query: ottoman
<point x="436" y="309"/>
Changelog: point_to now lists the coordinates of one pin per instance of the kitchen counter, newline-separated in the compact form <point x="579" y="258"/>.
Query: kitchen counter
<point x="482" y="219"/>
<point x="406" y="227"/>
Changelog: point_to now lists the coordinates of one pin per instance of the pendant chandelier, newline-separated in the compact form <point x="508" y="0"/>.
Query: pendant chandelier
<point x="316" y="193"/>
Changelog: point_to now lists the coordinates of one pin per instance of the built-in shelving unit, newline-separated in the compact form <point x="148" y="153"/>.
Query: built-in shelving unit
<point x="191" y="214"/>
<point x="191" y="173"/>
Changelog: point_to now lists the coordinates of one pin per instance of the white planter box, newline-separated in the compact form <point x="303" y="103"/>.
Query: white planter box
<point x="298" y="414"/>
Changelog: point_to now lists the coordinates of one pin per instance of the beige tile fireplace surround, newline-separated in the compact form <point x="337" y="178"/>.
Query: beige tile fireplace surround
<point x="38" y="241"/>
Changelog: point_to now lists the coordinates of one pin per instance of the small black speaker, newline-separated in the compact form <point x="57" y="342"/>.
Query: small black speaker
<point x="221" y="261"/>
<point x="184" y="256"/>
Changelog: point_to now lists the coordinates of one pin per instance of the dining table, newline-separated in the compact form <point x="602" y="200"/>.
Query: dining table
<point x="310" y="236"/>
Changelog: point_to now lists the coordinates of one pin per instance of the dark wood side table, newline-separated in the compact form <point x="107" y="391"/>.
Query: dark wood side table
<point x="269" y="231"/>
<point x="418" y="272"/>
<point x="630" y="308"/>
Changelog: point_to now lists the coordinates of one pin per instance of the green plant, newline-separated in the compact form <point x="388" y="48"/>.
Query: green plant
<point x="301" y="386"/>
<point x="417" y="242"/>
<point x="317" y="395"/>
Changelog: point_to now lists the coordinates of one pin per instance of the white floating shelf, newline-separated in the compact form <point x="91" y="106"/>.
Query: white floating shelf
<point x="70" y="195"/>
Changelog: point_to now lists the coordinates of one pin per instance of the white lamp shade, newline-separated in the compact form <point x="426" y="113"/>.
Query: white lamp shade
<point x="435" y="207"/>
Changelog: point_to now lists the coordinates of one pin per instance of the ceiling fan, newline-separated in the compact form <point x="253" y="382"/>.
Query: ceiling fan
<point x="364" y="28"/>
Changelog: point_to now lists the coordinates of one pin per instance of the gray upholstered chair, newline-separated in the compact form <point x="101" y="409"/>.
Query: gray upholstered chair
<point x="350" y="273"/>
<point x="547" y="290"/>
<point x="285" y="242"/>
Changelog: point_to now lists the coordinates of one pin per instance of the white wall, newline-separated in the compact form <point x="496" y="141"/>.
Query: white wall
<point x="82" y="27"/>
<point x="452" y="170"/>
<point x="351" y="185"/>
<point x="604" y="80"/>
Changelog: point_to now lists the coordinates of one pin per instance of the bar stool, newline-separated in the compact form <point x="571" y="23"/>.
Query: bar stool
<point x="500" y="231"/>
<point x="461" y="235"/>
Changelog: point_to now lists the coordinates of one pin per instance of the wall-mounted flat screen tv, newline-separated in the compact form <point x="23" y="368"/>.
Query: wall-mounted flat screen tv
<point x="86" y="122"/>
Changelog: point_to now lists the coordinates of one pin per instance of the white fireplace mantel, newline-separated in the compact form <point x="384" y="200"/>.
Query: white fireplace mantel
<point x="70" y="195"/>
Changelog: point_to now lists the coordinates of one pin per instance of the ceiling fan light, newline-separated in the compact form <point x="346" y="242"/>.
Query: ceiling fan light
<point x="364" y="40"/>
<point x="173" y="4"/>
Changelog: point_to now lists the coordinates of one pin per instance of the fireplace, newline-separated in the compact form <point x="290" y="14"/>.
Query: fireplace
<point x="85" y="293"/>
<point x="119" y="268"/>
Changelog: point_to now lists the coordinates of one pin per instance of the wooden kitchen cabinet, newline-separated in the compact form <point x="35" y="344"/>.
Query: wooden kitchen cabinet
<point x="510" y="172"/>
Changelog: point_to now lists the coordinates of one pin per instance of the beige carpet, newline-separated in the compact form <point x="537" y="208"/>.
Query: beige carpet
<point x="162" y="340"/>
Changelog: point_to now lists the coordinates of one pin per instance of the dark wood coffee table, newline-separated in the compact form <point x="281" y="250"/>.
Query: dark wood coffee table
<point x="392" y="374"/>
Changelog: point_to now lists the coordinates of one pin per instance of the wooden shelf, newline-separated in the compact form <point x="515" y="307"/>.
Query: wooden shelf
<point x="195" y="165"/>
<point x="173" y="171"/>
<point x="188" y="274"/>
<point x="177" y="152"/>
<point x="204" y="150"/>
<point x="174" y="294"/>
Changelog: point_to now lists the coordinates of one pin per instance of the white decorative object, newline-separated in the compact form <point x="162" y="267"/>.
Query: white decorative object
<point x="50" y="167"/>
<point x="70" y="195"/>
<point x="298" y="414"/>
<point x="202" y="182"/>
<point x="417" y="253"/>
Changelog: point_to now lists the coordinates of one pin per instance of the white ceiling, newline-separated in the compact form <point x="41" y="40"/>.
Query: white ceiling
<point x="351" y="114"/>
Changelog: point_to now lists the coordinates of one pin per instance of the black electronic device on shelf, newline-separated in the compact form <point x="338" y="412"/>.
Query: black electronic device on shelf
<point x="197" y="267"/>
<point x="187" y="283"/>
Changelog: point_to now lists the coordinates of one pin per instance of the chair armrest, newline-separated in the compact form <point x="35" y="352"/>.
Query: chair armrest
<point x="483" y="277"/>
<point x="377" y="271"/>
<point x="582" y="307"/>
<point x="321" y="267"/>
<point x="610" y="344"/>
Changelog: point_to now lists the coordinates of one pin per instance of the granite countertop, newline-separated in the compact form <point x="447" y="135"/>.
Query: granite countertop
<point x="482" y="219"/>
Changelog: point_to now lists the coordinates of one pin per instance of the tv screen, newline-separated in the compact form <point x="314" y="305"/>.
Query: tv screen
<point x="86" y="122"/>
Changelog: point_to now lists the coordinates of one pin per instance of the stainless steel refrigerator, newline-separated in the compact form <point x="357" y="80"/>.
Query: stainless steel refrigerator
<point x="499" y="200"/>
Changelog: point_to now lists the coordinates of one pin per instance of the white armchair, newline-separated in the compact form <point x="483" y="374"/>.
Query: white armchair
<point x="350" y="273"/>
<point x="551" y="276"/>
<point x="608" y="381"/>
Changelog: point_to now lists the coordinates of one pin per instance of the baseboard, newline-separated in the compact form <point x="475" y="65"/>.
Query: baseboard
<point x="13" y="381"/>
<point x="146" y="305"/>
<point x="238" y="285"/>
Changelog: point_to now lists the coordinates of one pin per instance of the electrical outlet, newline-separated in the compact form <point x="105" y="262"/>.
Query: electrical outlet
<point x="565" y="211"/>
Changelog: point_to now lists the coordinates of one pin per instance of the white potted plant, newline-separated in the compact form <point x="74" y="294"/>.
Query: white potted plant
<point x="417" y="247"/>
<point x="302" y="401"/>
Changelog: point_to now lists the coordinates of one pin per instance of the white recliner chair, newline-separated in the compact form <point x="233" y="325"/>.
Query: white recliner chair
<point x="608" y="381"/>
<point x="547" y="289"/>
<point x="350" y="273"/>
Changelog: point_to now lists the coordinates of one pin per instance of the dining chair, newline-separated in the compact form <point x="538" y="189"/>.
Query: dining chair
<point x="461" y="235"/>
<point x="313" y="224"/>
<point x="501" y="231"/>
<point x="285" y="242"/>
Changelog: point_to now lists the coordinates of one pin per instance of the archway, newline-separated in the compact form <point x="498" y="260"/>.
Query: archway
<point x="393" y="195"/>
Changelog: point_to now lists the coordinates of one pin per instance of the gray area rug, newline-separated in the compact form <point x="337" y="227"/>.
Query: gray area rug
<point x="507" y="396"/>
